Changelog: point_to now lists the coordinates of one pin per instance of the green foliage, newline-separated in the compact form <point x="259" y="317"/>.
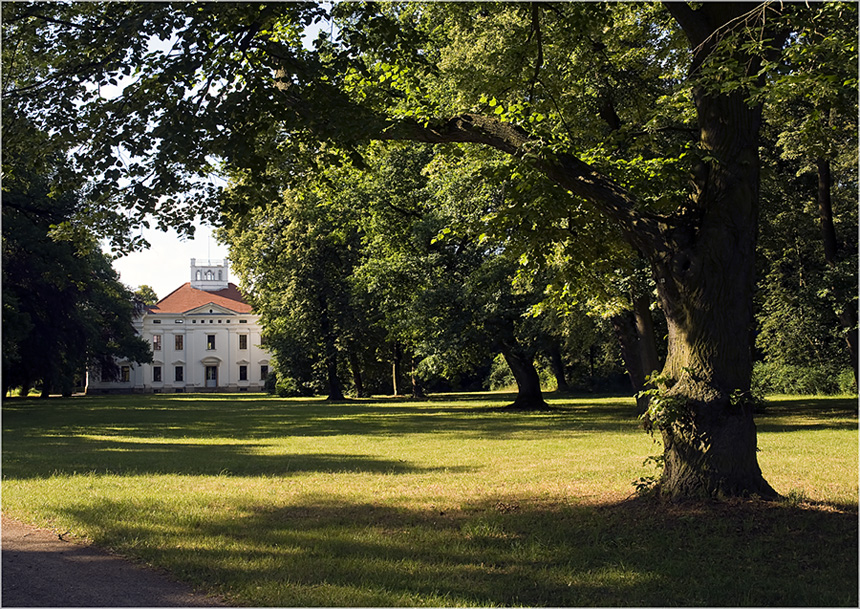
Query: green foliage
<point x="146" y="295"/>
<point x="64" y="308"/>
<point x="781" y="378"/>
<point x="665" y="410"/>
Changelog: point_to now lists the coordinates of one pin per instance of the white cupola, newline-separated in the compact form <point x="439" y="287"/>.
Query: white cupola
<point x="209" y="275"/>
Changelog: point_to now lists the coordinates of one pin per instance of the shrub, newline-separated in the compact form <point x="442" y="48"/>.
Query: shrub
<point x="500" y="376"/>
<point x="271" y="385"/>
<point x="847" y="383"/>
<point x="772" y="377"/>
<point x="288" y="388"/>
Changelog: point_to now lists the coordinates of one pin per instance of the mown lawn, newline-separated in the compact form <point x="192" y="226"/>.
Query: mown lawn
<point x="449" y="501"/>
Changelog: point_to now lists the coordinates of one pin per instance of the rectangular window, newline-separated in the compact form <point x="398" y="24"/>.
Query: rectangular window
<point x="264" y="373"/>
<point x="210" y="342"/>
<point x="156" y="321"/>
<point x="156" y="374"/>
<point x="178" y="342"/>
<point x="156" y="342"/>
<point x="243" y="341"/>
<point x="243" y="321"/>
<point x="243" y="373"/>
<point x="178" y="374"/>
<point x="125" y="374"/>
<point x="263" y="340"/>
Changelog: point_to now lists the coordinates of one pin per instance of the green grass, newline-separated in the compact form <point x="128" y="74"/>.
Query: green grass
<point x="443" y="502"/>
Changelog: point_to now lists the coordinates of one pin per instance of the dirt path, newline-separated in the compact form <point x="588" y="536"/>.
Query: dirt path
<point x="40" y="570"/>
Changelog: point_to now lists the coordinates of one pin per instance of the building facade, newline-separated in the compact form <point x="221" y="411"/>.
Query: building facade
<point x="204" y="337"/>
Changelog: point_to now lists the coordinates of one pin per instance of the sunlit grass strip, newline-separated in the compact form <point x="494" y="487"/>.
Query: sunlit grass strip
<point x="292" y="503"/>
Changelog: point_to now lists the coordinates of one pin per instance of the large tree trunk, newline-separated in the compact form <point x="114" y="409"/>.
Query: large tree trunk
<point x="848" y="316"/>
<point x="705" y="284"/>
<point x="521" y="363"/>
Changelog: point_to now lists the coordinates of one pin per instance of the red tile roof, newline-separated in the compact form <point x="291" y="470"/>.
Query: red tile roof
<point x="185" y="298"/>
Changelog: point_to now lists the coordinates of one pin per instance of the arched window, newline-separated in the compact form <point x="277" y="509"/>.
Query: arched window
<point x="219" y="275"/>
<point x="209" y="276"/>
<point x="198" y="275"/>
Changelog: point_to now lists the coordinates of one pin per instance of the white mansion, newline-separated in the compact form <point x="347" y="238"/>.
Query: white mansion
<point x="204" y="337"/>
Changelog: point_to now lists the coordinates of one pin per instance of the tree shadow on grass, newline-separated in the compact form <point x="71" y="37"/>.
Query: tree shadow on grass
<point x="254" y="419"/>
<point x="66" y="455"/>
<point x="809" y="413"/>
<point x="500" y="551"/>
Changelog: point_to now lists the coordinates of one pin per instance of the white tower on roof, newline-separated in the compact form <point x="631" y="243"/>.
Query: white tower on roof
<point x="209" y="275"/>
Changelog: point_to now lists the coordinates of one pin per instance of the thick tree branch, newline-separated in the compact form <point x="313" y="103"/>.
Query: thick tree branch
<point x="642" y="230"/>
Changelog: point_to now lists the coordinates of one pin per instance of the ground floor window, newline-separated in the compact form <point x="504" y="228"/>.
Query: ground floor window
<point x="264" y="373"/>
<point x="243" y="373"/>
<point x="178" y="373"/>
<point x="125" y="374"/>
<point x="156" y="374"/>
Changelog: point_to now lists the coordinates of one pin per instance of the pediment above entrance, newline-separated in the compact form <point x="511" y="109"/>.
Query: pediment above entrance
<point x="210" y="309"/>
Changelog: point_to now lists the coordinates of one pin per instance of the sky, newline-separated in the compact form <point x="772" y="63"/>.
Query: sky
<point x="166" y="265"/>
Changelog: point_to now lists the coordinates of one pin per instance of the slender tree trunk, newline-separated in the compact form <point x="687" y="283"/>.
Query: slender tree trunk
<point x="557" y="365"/>
<point x="396" y="365"/>
<point x="417" y="389"/>
<point x="335" y="390"/>
<point x="591" y="362"/>
<point x="624" y="325"/>
<point x="647" y="340"/>
<point x="529" y="395"/>
<point x="848" y="316"/>
<point x="357" y="380"/>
